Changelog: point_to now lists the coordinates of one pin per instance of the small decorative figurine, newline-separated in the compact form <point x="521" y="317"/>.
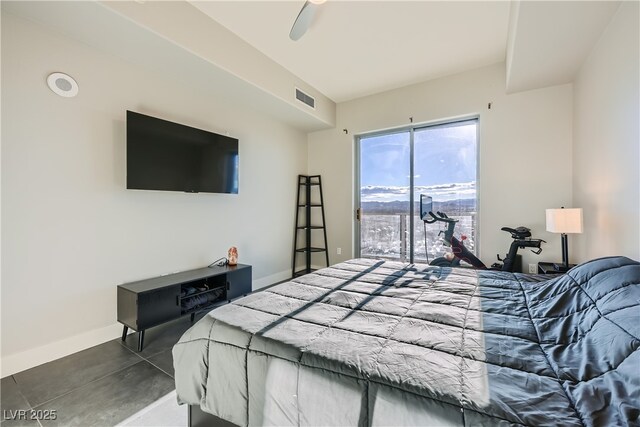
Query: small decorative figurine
<point x="233" y="255"/>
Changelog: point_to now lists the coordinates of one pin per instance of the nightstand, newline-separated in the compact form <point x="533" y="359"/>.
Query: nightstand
<point x="549" y="268"/>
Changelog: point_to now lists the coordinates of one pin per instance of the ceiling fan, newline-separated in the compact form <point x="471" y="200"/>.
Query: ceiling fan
<point x="304" y="19"/>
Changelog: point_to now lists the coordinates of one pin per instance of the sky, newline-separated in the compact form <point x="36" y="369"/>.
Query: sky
<point x="444" y="166"/>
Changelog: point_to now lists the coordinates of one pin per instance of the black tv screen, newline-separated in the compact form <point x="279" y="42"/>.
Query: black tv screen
<point x="163" y="155"/>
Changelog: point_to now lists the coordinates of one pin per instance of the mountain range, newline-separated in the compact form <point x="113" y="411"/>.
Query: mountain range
<point x="450" y="207"/>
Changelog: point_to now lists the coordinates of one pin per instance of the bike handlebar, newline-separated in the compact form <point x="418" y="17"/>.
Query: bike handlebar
<point x="530" y="243"/>
<point x="440" y="217"/>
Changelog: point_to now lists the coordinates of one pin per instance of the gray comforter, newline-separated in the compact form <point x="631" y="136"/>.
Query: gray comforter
<point x="369" y="342"/>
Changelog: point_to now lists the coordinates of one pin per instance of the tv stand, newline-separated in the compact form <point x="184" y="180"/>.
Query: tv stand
<point x="152" y="302"/>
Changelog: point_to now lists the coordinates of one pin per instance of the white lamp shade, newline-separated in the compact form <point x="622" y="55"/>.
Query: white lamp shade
<point x="564" y="220"/>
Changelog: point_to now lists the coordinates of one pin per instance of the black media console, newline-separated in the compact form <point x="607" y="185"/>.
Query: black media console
<point x="151" y="302"/>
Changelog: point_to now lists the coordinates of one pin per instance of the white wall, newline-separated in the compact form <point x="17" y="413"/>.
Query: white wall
<point x="606" y="154"/>
<point x="525" y="153"/>
<point x="72" y="232"/>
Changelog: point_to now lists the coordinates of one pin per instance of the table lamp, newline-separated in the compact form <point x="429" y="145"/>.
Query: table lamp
<point x="564" y="221"/>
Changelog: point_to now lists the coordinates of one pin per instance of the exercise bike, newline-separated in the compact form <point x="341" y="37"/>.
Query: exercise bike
<point x="521" y="239"/>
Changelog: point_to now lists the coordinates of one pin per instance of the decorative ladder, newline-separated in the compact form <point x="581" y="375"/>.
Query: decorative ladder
<point x="306" y="182"/>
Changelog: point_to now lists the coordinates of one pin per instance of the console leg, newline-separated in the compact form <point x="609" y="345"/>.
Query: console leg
<point x="124" y="332"/>
<point x="140" y="340"/>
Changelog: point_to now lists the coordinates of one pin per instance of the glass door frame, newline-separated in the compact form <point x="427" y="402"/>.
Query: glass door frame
<point x="412" y="128"/>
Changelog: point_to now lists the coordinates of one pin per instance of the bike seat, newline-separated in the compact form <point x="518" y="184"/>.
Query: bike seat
<point x="518" y="233"/>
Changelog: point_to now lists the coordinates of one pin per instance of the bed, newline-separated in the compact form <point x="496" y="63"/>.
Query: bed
<point x="368" y="342"/>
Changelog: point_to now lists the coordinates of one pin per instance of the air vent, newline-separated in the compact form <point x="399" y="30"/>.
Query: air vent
<point x="306" y="99"/>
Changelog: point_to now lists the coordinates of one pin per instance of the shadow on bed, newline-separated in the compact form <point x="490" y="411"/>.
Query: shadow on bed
<point x="318" y="299"/>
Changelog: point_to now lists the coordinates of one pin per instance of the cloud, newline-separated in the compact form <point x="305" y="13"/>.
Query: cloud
<point x="439" y="192"/>
<point x="377" y="189"/>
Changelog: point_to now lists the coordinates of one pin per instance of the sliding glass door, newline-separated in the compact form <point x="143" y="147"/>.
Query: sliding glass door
<point x="395" y="168"/>
<point x="385" y="163"/>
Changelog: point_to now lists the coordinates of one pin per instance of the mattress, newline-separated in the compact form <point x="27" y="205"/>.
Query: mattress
<point x="368" y="342"/>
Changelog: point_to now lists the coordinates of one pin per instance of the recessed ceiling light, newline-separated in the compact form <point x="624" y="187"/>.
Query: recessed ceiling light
<point x="62" y="84"/>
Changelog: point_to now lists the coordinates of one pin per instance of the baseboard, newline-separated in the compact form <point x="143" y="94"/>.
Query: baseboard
<point x="18" y="362"/>
<point x="270" y="280"/>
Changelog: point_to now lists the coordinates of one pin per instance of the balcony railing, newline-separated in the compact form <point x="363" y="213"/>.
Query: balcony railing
<point x="386" y="235"/>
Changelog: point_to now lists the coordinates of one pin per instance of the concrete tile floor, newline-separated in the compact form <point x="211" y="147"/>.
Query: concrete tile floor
<point x="99" y="386"/>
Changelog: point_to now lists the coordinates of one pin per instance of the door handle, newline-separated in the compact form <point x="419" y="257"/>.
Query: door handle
<point x="358" y="214"/>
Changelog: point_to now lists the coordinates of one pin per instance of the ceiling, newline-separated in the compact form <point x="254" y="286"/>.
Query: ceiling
<point x="241" y="51"/>
<point x="357" y="48"/>
<point x="549" y="40"/>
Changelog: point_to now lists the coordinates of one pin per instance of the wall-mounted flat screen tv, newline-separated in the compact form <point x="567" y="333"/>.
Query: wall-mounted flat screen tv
<point x="163" y="155"/>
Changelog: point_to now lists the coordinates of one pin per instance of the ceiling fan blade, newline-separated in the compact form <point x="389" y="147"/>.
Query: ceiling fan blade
<point x="303" y="21"/>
